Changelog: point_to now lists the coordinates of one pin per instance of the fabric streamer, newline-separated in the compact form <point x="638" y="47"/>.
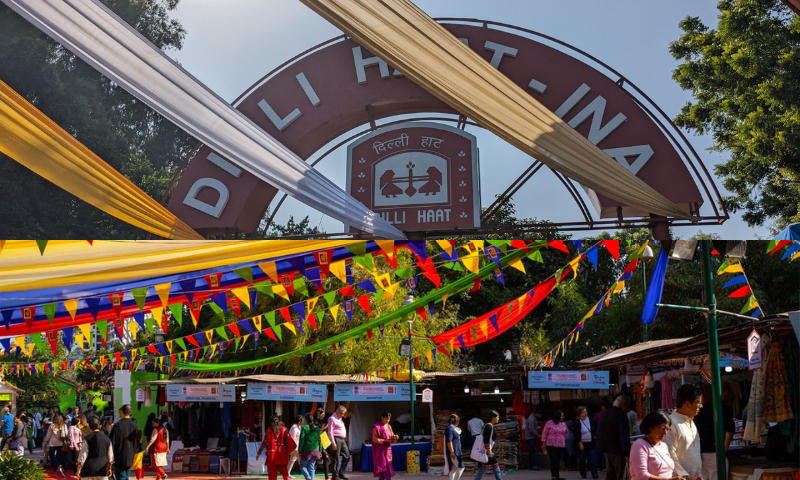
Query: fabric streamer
<point x="410" y="41"/>
<point x="656" y="288"/>
<point x="31" y="138"/>
<point x="95" y="34"/>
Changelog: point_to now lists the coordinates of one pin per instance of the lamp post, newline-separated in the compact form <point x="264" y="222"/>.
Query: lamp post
<point x="646" y="255"/>
<point x="407" y="347"/>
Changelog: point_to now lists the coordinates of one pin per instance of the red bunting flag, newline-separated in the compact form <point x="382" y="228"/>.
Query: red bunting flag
<point x="116" y="302"/>
<point x="287" y="280"/>
<point x="363" y="300"/>
<point x="348" y="291"/>
<point x="429" y="270"/>
<point x="312" y="320"/>
<point x="324" y="259"/>
<point x="235" y="329"/>
<point x="476" y="286"/>
<point x="268" y="332"/>
<point x="613" y="248"/>
<point x="740" y="292"/>
<point x="286" y="315"/>
<point x="520" y="245"/>
<point x="236" y="306"/>
<point x="422" y="313"/>
<point x="558" y="245"/>
<point x="213" y="280"/>
<point x="369" y="334"/>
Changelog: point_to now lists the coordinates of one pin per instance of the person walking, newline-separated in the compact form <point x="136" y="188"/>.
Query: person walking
<point x="8" y="426"/>
<point x="322" y="424"/>
<point x="294" y="434"/>
<point x="382" y="439"/>
<point x="96" y="456"/>
<point x="453" y="457"/>
<point x="159" y="447"/>
<point x="126" y="438"/>
<point x="74" y="439"/>
<point x="554" y="437"/>
<point x="705" y="428"/>
<point x="16" y="441"/>
<point x="487" y="437"/>
<point x="584" y="429"/>
<point x="683" y="440"/>
<point x="310" y="447"/>
<point x="650" y="458"/>
<point x="614" y="438"/>
<point x="57" y="437"/>
<point x="475" y="427"/>
<point x="275" y="448"/>
<point x="339" y="448"/>
<point x="532" y="436"/>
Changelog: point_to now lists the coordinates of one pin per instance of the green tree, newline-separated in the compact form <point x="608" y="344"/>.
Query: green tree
<point x="745" y="77"/>
<point x="124" y="132"/>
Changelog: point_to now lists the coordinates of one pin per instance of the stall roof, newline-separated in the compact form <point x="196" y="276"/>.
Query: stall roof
<point x="731" y="339"/>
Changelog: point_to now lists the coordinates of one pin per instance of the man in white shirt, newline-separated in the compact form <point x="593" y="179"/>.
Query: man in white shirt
<point x="294" y="433"/>
<point x="475" y="428"/>
<point x="340" y="450"/>
<point x="683" y="440"/>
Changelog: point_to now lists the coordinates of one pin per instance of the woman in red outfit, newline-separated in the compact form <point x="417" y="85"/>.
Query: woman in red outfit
<point x="159" y="441"/>
<point x="276" y="448"/>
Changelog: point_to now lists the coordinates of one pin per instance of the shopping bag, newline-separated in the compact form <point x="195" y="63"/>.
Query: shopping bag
<point x="254" y="467"/>
<point x="479" y="450"/>
<point x="137" y="461"/>
<point x="324" y="440"/>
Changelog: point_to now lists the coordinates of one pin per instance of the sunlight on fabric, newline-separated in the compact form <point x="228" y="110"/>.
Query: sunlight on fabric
<point x="32" y="139"/>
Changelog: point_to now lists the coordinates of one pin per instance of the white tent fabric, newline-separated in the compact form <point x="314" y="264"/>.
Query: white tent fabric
<point x="96" y="35"/>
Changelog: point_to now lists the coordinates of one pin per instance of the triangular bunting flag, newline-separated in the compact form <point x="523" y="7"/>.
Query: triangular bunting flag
<point x="363" y="300"/>
<point x="242" y="294"/>
<point x="163" y="290"/>
<point x="246" y="273"/>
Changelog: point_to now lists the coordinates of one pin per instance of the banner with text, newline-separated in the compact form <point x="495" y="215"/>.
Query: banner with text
<point x="568" y="379"/>
<point x="287" y="391"/>
<point x="372" y="393"/>
<point x="201" y="393"/>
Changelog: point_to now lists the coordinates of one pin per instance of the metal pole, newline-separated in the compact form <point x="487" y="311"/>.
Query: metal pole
<point x="713" y="352"/>
<point x="646" y="333"/>
<point x="411" y="380"/>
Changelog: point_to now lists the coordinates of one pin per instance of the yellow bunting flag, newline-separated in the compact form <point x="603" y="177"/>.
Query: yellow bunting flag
<point x="168" y="343"/>
<point x="444" y="300"/>
<point x="242" y="294"/>
<point x="158" y="314"/>
<point x="619" y="287"/>
<point x="339" y="269"/>
<point x="574" y="264"/>
<point x="72" y="307"/>
<point x="383" y="281"/>
<point x="429" y="356"/>
<point x="257" y="323"/>
<point x="517" y="263"/>
<point x="732" y="269"/>
<point x="132" y="327"/>
<point x="32" y="345"/>
<point x="446" y="246"/>
<point x="290" y="327"/>
<point x="280" y="290"/>
<point x="387" y="246"/>
<point x="310" y="304"/>
<point x="86" y="330"/>
<point x="270" y="269"/>
<point x="209" y="335"/>
<point x="162" y="290"/>
<point x="334" y="311"/>
<point x="20" y="341"/>
<point x="389" y="292"/>
<point x="484" y="329"/>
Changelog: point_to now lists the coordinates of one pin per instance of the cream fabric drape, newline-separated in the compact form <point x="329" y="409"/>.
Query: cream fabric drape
<point x="92" y="32"/>
<point x="32" y="139"/>
<point x="409" y="40"/>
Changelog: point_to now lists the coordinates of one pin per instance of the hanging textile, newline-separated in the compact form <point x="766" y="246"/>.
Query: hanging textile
<point x="409" y="40"/>
<point x="777" y="407"/>
<point x="28" y="136"/>
<point x="755" y="407"/>
<point x="95" y="34"/>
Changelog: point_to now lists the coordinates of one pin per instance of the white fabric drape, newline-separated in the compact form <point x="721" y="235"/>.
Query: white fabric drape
<point x="410" y="41"/>
<point x="99" y="37"/>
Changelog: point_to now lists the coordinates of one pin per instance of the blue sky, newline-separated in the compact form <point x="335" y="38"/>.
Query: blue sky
<point x="231" y="44"/>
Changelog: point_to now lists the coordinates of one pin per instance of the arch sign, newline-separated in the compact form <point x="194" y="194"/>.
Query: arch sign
<point x="341" y="86"/>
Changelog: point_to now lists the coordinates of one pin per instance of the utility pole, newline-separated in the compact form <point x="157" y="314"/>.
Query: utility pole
<point x="411" y="378"/>
<point x="713" y="353"/>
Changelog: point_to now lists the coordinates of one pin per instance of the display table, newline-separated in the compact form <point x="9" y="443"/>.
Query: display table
<point x="398" y="456"/>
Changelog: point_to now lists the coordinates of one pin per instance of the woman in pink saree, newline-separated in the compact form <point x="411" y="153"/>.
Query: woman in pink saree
<point x="382" y="439"/>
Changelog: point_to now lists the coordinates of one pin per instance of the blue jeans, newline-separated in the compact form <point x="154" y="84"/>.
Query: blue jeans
<point x="495" y="469"/>
<point x="122" y="473"/>
<point x="588" y="453"/>
<point x="532" y="453"/>
<point x="308" y="468"/>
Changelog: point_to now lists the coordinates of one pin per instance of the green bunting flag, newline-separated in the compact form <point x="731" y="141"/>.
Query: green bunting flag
<point x="300" y="286"/>
<point x="536" y="256"/>
<point x="218" y="310"/>
<point x="102" y="327"/>
<point x="330" y="298"/>
<point x="140" y="295"/>
<point x="357" y="249"/>
<point x="501" y="244"/>
<point x="181" y="343"/>
<point x="38" y="339"/>
<point x="404" y="273"/>
<point x="42" y="244"/>
<point x="148" y="324"/>
<point x="246" y="273"/>
<point x="222" y="333"/>
<point x="177" y="313"/>
<point x="50" y="310"/>
<point x="365" y="261"/>
<point x="265" y="288"/>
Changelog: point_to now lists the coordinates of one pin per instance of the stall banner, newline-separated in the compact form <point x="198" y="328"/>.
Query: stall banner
<point x="201" y="393"/>
<point x="754" y="351"/>
<point x="568" y="379"/>
<point x="287" y="391"/>
<point x="372" y="393"/>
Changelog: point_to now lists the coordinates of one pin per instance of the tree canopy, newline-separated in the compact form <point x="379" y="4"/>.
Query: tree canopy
<point x="745" y="78"/>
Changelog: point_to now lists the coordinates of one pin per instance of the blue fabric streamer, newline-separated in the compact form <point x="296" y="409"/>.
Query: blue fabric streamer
<point x="656" y="289"/>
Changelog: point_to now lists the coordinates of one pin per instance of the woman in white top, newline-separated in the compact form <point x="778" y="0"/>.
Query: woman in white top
<point x="57" y="437"/>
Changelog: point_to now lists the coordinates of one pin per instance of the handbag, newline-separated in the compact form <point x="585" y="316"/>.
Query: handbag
<point x="479" y="450"/>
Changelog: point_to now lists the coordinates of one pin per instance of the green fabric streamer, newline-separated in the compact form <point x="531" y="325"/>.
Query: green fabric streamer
<point x="459" y="285"/>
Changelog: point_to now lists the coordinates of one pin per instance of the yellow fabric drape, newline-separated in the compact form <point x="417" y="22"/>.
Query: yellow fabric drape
<point x="409" y="40"/>
<point x="67" y="262"/>
<point x="32" y="139"/>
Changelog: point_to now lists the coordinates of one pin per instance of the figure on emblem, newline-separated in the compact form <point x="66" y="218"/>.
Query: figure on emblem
<point x="388" y="188"/>
<point x="434" y="184"/>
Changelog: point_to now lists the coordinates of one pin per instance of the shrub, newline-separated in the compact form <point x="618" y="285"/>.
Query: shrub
<point x="13" y="467"/>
